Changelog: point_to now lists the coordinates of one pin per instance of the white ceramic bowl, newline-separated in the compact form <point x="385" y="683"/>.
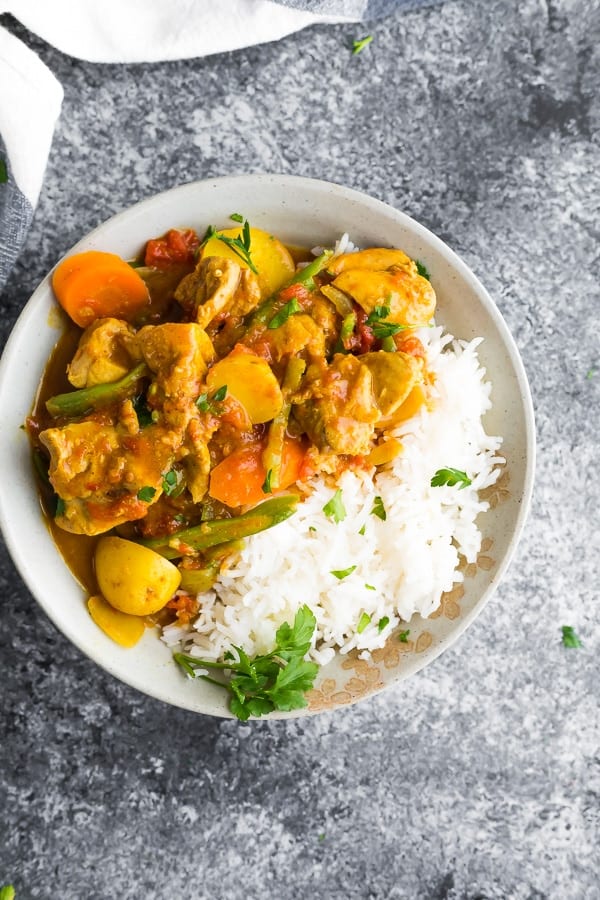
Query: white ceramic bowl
<point x="305" y="212"/>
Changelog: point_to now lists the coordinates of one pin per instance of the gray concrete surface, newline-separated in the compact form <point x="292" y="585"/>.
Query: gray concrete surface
<point x="480" y="778"/>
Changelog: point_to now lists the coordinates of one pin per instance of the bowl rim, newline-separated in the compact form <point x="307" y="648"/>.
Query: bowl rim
<point x="23" y="564"/>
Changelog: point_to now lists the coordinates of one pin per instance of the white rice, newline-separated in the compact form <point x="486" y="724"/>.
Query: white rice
<point x="410" y="559"/>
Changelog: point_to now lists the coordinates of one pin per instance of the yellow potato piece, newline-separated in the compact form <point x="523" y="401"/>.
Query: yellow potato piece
<point x="132" y="578"/>
<point x="384" y="453"/>
<point x="374" y="258"/>
<point x="394" y="375"/>
<point x="272" y="260"/>
<point x="410" y="298"/>
<point x="250" y="380"/>
<point x="124" y="629"/>
<point x="411" y="406"/>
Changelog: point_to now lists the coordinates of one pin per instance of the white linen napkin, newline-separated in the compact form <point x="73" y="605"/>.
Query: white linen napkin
<point x="126" y="31"/>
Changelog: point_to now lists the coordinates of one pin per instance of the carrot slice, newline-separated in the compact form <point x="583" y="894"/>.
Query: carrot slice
<point x="94" y="285"/>
<point x="239" y="479"/>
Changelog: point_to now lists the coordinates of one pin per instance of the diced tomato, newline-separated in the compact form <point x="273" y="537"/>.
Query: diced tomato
<point x="409" y="344"/>
<point x="177" y="246"/>
<point x="297" y="291"/>
<point x="364" y="332"/>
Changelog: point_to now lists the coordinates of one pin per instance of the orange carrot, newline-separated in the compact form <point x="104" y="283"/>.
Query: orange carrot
<point x="239" y="479"/>
<point x="94" y="285"/>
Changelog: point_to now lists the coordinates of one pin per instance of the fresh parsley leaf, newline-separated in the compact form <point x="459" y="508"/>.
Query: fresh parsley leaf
<point x="569" y="638"/>
<point x="403" y="636"/>
<point x="450" y="477"/>
<point x="266" y="485"/>
<point x="321" y="836"/>
<point x="276" y="680"/>
<point x="383" y="623"/>
<point x="240" y="245"/>
<point x="343" y="573"/>
<point x="383" y="330"/>
<point x="236" y="217"/>
<point x="590" y="373"/>
<point x="60" y="507"/>
<point x="362" y="530"/>
<point x="377" y="314"/>
<point x="359" y="45"/>
<point x="334" y="508"/>
<point x="312" y="528"/>
<point x="7" y="892"/>
<point x="422" y="270"/>
<point x="146" y="494"/>
<point x="363" y="622"/>
<point x="220" y="394"/>
<point x="206" y="403"/>
<point x="289" y="309"/>
<point x="370" y="587"/>
<point x="379" y="509"/>
<point x="173" y="483"/>
<point x="3" y="180"/>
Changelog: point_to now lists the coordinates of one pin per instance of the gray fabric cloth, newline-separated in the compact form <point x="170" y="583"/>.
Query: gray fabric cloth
<point x="15" y="217"/>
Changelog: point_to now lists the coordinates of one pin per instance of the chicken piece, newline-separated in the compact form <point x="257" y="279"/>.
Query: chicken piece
<point x="196" y="462"/>
<point x="394" y="376"/>
<point x="97" y="470"/>
<point x="298" y="336"/>
<point x="340" y="414"/>
<point x="409" y="297"/>
<point x="375" y="258"/>
<point x="218" y="285"/>
<point x="107" y="351"/>
<point x="177" y="354"/>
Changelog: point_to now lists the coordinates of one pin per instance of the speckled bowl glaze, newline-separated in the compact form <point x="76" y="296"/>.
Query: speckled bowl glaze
<point x="303" y="212"/>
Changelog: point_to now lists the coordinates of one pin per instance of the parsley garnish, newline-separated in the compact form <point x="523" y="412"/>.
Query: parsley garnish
<point x="3" y="172"/>
<point x="172" y="483"/>
<point x="334" y="508"/>
<point x="266" y="485"/>
<point x="362" y="530"/>
<point x="207" y="404"/>
<point x="422" y="270"/>
<point x="146" y="494"/>
<point x="359" y="45"/>
<point x="322" y="836"/>
<point x="590" y="374"/>
<point x="377" y="314"/>
<point x="343" y="573"/>
<point x="290" y="308"/>
<point x="385" y="330"/>
<point x="379" y="509"/>
<point x="240" y="244"/>
<point x="403" y="636"/>
<point x="7" y="892"/>
<point x="236" y="217"/>
<point x="312" y="528"/>
<point x="370" y="587"/>
<point x="363" y="622"/>
<point x="60" y="507"/>
<point x="451" y="477"/>
<point x="569" y="638"/>
<point x="276" y="680"/>
<point x="383" y="623"/>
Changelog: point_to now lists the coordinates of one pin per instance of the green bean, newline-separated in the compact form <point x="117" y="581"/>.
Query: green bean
<point x="79" y="403"/>
<point x="273" y="453"/>
<point x="303" y="276"/>
<point x="220" y="531"/>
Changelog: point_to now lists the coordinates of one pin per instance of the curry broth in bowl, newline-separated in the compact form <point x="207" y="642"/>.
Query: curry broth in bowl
<point x="297" y="405"/>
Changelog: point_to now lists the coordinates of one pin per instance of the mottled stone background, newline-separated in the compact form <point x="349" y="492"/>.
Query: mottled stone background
<point x="480" y="777"/>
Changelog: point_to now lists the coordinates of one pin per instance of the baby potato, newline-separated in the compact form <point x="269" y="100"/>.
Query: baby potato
<point x="124" y="629"/>
<point x="132" y="578"/>
<point x="250" y="380"/>
<point x="273" y="262"/>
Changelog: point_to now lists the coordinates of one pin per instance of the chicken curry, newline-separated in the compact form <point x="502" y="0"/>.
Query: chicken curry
<point x="196" y="386"/>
